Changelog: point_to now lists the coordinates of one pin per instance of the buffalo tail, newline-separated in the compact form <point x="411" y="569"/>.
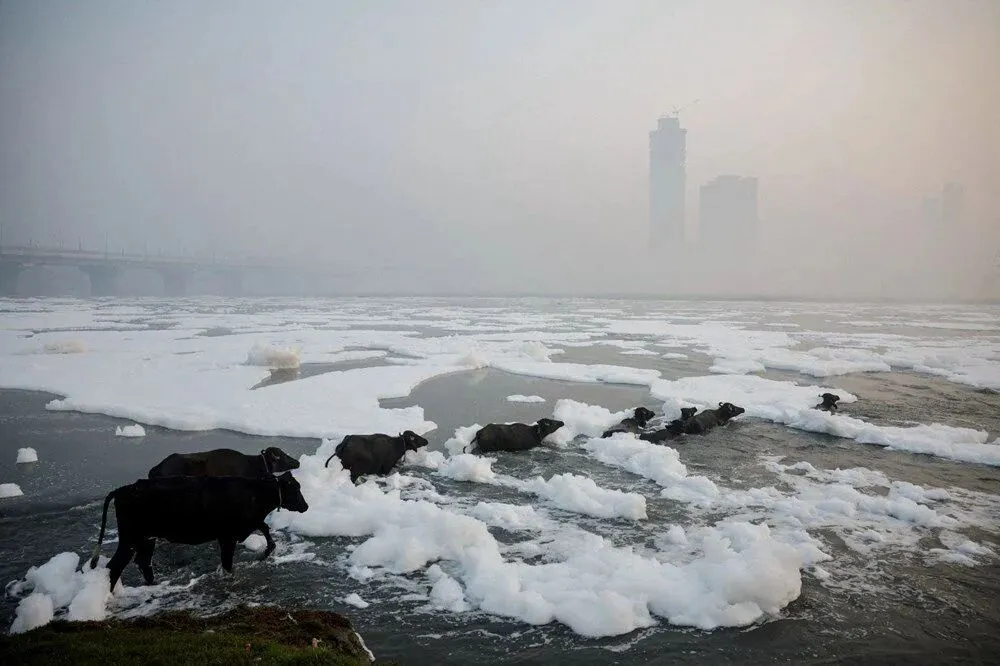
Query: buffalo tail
<point x="100" y="537"/>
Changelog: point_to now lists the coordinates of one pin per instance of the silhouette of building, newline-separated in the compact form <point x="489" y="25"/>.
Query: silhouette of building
<point x="727" y="213"/>
<point x="952" y="205"/>
<point x="667" y="181"/>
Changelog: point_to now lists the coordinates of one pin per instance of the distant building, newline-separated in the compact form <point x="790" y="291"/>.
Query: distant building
<point x="952" y="205"/>
<point x="667" y="181"/>
<point x="727" y="213"/>
<point x="932" y="212"/>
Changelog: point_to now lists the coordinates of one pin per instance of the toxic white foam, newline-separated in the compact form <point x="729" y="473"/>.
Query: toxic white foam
<point x="792" y="405"/>
<point x="525" y="398"/>
<point x="58" y="586"/>
<point x="27" y="455"/>
<point x="278" y="358"/>
<point x="10" y="490"/>
<point x="595" y="588"/>
<point x="134" y="430"/>
<point x="659" y="463"/>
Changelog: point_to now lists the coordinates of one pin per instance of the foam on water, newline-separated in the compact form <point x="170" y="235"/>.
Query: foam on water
<point x="134" y="430"/>
<point x="27" y="455"/>
<point x="10" y="490"/>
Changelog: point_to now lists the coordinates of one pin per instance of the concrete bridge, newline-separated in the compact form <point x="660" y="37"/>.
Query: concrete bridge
<point x="103" y="268"/>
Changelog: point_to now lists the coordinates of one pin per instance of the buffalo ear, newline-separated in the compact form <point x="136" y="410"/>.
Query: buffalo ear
<point x="720" y="404"/>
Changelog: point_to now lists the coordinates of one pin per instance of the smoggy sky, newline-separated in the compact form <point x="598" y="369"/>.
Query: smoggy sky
<point x="461" y="145"/>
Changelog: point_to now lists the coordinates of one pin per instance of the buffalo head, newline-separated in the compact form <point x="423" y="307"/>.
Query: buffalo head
<point x="642" y="415"/>
<point x="278" y="461"/>
<point x="291" y="493"/>
<point x="545" y="427"/>
<point x="412" y="441"/>
<point x="728" y="410"/>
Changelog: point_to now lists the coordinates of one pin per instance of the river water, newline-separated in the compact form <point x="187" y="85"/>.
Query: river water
<point x="894" y="587"/>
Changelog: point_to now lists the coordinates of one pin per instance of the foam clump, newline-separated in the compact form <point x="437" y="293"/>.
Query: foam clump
<point x="740" y="574"/>
<point x="658" y="463"/>
<point x="354" y="599"/>
<point x="58" y="585"/>
<point x="582" y="495"/>
<point x="275" y="358"/>
<point x="27" y="455"/>
<point x="583" y="419"/>
<point x="66" y="347"/>
<point x="255" y="542"/>
<point x="525" y="398"/>
<point x="10" y="490"/>
<point x="134" y="430"/>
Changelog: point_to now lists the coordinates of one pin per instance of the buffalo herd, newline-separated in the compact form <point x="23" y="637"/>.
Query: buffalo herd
<point x="224" y="495"/>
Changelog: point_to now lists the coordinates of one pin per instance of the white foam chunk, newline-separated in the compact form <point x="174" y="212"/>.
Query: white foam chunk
<point x="134" y="430"/>
<point x="56" y="585"/>
<point x="595" y="588"/>
<point x="10" y="490"/>
<point x="582" y="495"/>
<point x="255" y="542"/>
<point x="276" y="358"/>
<point x="66" y="347"/>
<point x="525" y="398"/>
<point x="583" y="419"/>
<point x="34" y="611"/>
<point x="659" y="463"/>
<point x="27" y="455"/>
<point x="354" y="599"/>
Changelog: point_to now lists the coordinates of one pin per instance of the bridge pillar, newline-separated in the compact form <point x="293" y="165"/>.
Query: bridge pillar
<point x="102" y="279"/>
<point x="232" y="282"/>
<point x="174" y="281"/>
<point x="9" y="272"/>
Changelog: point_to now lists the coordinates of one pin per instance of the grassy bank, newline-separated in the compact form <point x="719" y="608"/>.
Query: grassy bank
<point x="244" y="635"/>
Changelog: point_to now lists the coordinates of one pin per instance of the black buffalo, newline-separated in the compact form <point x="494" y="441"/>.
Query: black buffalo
<point x="192" y="509"/>
<point x="374" y="454"/>
<point x="673" y="430"/>
<point x="710" y="418"/>
<point x="829" y="403"/>
<point x="640" y="417"/>
<point x="514" y="436"/>
<point x="225" y="462"/>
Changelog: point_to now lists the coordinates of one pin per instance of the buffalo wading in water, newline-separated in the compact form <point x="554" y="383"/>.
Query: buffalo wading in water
<point x="374" y="454"/>
<point x="829" y="403"/>
<point x="701" y="423"/>
<point x="640" y="417"/>
<point x="193" y="510"/>
<point x="514" y="436"/>
<point x="225" y="462"/>
<point x="673" y="430"/>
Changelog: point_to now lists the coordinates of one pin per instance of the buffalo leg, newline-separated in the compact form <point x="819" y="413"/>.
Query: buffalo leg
<point x="228" y="546"/>
<point x="119" y="561"/>
<point x="267" y="536"/>
<point x="144" y="559"/>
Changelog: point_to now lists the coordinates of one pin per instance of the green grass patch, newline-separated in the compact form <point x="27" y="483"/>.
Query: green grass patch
<point x="244" y="635"/>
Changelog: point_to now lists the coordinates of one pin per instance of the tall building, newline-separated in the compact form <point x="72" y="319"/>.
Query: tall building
<point x="952" y="205"/>
<point x="727" y="213"/>
<point x="667" y="146"/>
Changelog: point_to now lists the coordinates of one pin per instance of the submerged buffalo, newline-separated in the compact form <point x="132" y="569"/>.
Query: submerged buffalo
<point x="673" y="430"/>
<point x="374" y="454"/>
<point x="829" y="403"/>
<point x="710" y="418"/>
<point x="514" y="436"/>
<point x="192" y="510"/>
<point x="640" y="417"/>
<point x="225" y="462"/>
